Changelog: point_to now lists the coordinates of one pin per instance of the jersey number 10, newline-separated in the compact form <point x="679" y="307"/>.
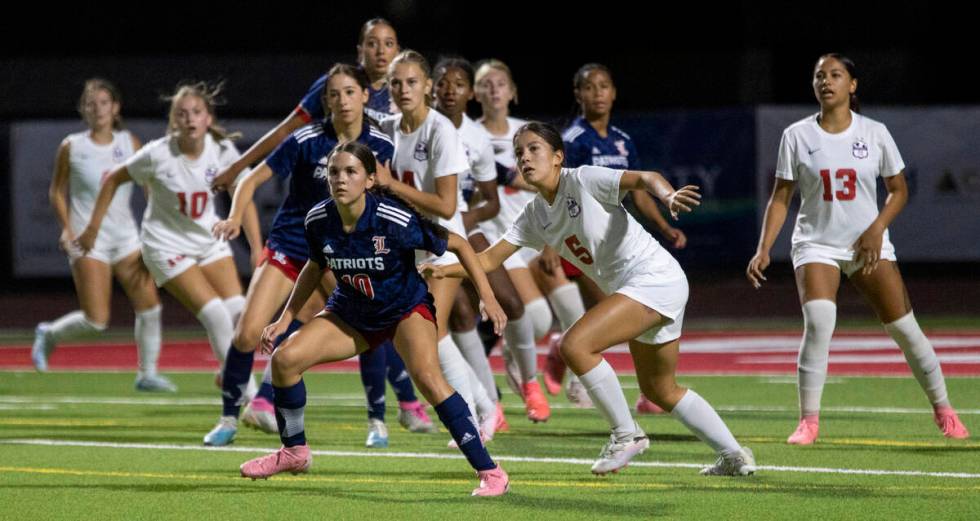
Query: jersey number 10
<point x="850" y="185"/>
<point x="198" y="200"/>
<point x="361" y="282"/>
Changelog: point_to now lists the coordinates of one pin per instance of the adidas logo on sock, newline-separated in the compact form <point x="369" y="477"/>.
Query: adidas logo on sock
<point x="467" y="437"/>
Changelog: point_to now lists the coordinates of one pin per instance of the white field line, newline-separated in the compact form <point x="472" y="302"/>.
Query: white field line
<point x="355" y="400"/>
<point x="522" y="459"/>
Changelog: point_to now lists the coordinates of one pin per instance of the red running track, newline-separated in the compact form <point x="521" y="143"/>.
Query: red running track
<point x="701" y="353"/>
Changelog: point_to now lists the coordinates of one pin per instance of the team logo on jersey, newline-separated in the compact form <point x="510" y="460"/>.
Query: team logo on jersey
<point x="279" y="257"/>
<point x="327" y="250"/>
<point x="421" y="151"/>
<point x="859" y="149"/>
<point x="621" y="147"/>
<point x="118" y="154"/>
<point x="596" y="151"/>
<point x="379" y="244"/>
<point x="573" y="207"/>
<point x="210" y="174"/>
<point x="320" y="172"/>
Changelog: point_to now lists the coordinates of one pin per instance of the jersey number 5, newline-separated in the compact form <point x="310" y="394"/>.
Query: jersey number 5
<point x="850" y="185"/>
<point x="579" y="251"/>
<point x="361" y="282"/>
<point x="199" y="200"/>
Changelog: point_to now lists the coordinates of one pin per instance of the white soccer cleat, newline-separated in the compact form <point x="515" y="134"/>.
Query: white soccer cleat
<point x="377" y="437"/>
<point x="154" y="383"/>
<point x="741" y="464"/>
<point x="619" y="451"/>
<point x="576" y="393"/>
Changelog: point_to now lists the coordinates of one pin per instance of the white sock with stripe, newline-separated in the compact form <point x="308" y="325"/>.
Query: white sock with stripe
<point x="921" y="357"/>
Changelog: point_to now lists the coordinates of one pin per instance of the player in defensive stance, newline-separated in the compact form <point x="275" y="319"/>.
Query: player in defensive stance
<point x="83" y="160"/>
<point x="178" y="248"/>
<point x="836" y="157"/>
<point x="367" y="240"/>
<point x="579" y="213"/>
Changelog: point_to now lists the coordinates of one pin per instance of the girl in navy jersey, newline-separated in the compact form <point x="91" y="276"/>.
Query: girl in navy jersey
<point x="368" y="240"/>
<point x="454" y="79"/>
<point x="177" y="246"/>
<point x="836" y="157"/>
<point x="83" y="160"/>
<point x="301" y="159"/>
<point x="579" y="213"/>
<point x="429" y="157"/>
<point x="377" y="45"/>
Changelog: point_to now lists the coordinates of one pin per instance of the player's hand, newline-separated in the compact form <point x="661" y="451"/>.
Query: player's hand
<point x="227" y="229"/>
<point x="683" y="200"/>
<point x="65" y="242"/>
<point x="383" y="174"/>
<point x="225" y="179"/>
<point x="868" y="248"/>
<point x="491" y="310"/>
<point x="431" y="271"/>
<point x="549" y="260"/>
<point x="676" y="237"/>
<point x="86" y="241"/>
<point x="271" y="332"/>
<point x="758" y="264"/>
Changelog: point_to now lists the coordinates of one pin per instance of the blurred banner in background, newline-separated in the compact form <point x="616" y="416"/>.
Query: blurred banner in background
<point x="729" y="153"/>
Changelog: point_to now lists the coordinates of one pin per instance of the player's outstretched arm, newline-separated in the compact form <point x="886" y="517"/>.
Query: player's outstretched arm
<point x="489" y="259"/>
<point x="477" y="272"/>
<point x="259" y="150"/>
<point x="678" y="201"/>
<point x="240" y="202"/>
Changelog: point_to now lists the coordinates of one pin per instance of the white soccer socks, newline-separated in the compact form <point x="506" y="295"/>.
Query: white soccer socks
<point x="819" y="319"/>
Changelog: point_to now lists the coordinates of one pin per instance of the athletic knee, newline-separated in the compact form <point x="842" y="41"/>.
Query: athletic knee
<point x="247" y="336"/>
<point x="286" y="362"/>
<point x="512" y="305"/>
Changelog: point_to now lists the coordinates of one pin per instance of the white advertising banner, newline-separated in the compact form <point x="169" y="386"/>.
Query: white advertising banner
<point x="941" y="149"/>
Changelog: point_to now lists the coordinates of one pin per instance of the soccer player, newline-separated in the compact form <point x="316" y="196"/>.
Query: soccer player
<point x="302" y="160"/>
<point x="836" y="156"/>
<point x="83" y="159"/>
<point x="579" y="213"/>
<point x="428" y="160"/>
<point x="591" y="139"/>
<point x="377" y="45"/>
<point x="454" y="79"/>
<point x="368" y="241"/>
<point x="177" y="246"/>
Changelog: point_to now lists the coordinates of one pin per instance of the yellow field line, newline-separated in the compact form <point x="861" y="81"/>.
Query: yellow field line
<point x="596" y="484"/>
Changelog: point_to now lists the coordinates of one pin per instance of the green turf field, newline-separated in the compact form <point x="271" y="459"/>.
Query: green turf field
<point x="138" y="456"/>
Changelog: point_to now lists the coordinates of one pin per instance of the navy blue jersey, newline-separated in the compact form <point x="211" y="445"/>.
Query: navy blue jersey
<point x="311" y="106"/>
<point x="377" y="283"/>
<point x="584" y="146"/>
<point x="303" y="159"/>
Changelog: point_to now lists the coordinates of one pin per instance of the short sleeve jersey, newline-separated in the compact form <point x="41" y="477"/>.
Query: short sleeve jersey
<point x="302" y="159"/>
<point x="88" y="165"/>
<point x="584" y="146"/>
<point x="837" y="177"/>
<point x="181" y="212"/>
<point x="589" y="227"/>
<point x="479" y="155"/>
<point x="377" y="282"/>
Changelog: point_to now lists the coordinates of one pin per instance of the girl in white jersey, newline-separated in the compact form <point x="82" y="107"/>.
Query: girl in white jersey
<point x="579" y="213"/>
<point x="178" y="247"/>
<point x="454" y="88"/>
<point x="428" y="160"/>
<point x="81" y="164"/>
<point x="836" y="157"/>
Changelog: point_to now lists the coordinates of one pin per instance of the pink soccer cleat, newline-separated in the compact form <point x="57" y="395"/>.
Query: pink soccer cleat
<point x="554" y="366"/>
<point x="645" y="406"/>
<point x="535" y="403"/>
<point x="493" y="482"/>
<point x="502" y="425"/>
<point x="260" y="414"/>
<point x="948" y="422"/>
<point x="412" y="416"/>
<point x="294" y="460"/>
<point x="806" y="432"/>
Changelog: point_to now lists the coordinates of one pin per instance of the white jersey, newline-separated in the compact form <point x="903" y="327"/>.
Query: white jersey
<point x="588" y="226"/>
<point x="89" y="164"/>
<point x="181" y="211"/>
<point x="837" y="176"/>
<point x="512" y="200"/>
<point x="479" y="155"/>
<point x="433" y="150"/>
